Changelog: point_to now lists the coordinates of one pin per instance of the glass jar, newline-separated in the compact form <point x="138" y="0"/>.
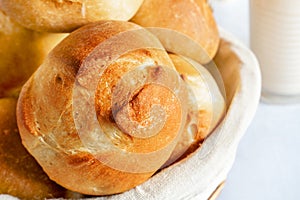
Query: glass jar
<point x="275" y="39"/>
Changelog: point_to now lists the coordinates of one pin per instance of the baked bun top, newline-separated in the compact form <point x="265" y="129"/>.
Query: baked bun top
<point x="105" y="110"/>
<point x="192" y="18"/>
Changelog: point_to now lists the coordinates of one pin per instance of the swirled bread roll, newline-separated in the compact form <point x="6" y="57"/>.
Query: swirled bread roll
<point x="21" y="52"/>
<point x="67" y="15"/>
<point x="105" y="110"/>
<point x="192" y="18"/>
<point x="20" y="174"/>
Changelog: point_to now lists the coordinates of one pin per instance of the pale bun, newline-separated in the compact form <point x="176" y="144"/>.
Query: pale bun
<point x="46" y="109"/>
<point x="65" y="16"/>
<point x="206" y="105"/>
<point x="227" y="63"/>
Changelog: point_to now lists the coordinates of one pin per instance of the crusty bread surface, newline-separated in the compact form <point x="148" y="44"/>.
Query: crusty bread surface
<point x="193" y="18"/>
<point x="46" y="111"/>
<point x="67" y="15"/>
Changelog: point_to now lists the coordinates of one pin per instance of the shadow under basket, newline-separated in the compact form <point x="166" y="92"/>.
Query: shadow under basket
<point x="201" y="175"/>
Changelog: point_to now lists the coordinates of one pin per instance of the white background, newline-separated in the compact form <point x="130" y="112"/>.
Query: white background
<point x="267" y="165"/>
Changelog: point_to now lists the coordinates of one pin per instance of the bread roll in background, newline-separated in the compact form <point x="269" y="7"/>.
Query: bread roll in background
<point x="194" y="18"/>
<point x="21" y="52"/>
<point x="20" y="174"/>
<point x="65" y="16"/>
<point x="57" y="109"/>
<point x="206" y="105"/>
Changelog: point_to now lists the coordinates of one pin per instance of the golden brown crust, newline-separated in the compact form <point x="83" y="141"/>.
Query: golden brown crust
<point x="46" y="110"/>
<point x="21" y="52"/>
<point x="20" y="174"/>
<point x="141" y="102"/>
<point x="67" y="15"/>
<point x="191" y="17"/>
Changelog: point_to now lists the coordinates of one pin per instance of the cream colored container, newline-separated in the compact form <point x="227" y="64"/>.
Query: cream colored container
<point x="275" y="39"/>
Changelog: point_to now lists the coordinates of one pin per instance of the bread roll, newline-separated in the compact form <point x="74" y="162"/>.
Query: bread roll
<point x="228" y="64"/>
<point x="105" y="109"/>
<point x="192" y="18"/>
<point x="20" y="174"/>
<point x="206" y="105"/>
<point x="21" y="52"/>
<point x="67" y="15"/>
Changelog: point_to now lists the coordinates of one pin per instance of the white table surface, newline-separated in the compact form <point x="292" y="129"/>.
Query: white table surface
<point x="267" y="165"/>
